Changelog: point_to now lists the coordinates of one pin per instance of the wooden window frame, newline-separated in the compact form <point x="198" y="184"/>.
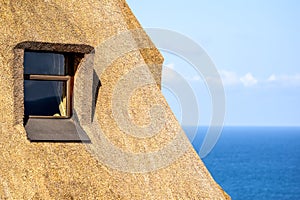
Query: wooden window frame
<point x="68" y="79"/>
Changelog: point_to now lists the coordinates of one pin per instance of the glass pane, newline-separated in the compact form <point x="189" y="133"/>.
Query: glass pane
<point x="44" y="63"/>
<point x="45" y="98"/>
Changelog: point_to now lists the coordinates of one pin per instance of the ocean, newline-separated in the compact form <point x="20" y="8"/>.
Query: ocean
<point x="255" y="162"/>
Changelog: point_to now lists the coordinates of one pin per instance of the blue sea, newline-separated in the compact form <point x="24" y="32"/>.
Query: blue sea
<point x="255" y="162"/>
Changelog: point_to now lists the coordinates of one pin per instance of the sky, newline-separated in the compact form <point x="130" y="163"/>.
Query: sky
<point x="255" y="47"/>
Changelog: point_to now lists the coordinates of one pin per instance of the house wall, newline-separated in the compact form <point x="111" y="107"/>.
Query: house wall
<point x="138" y="149"/>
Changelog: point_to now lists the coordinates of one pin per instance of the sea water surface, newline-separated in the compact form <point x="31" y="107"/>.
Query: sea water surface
<point x="255" y="162"/>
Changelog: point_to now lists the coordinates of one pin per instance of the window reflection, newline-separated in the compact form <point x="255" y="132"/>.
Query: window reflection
<point x="44" y="63"/>
<point x="45" y="98"/>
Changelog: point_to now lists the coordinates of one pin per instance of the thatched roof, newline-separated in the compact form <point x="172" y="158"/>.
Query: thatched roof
<point x="79" y="171"/>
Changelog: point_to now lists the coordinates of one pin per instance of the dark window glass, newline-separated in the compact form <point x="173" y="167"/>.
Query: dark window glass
<point x="44" y="63"/>
<point x="45" y="98"/>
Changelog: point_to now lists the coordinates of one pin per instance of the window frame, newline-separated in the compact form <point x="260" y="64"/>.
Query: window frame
<point x="68" y="78"/>
<point x="48" y="128"/>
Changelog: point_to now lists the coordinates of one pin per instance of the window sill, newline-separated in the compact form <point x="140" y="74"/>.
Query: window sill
<point x="54" y="130"/>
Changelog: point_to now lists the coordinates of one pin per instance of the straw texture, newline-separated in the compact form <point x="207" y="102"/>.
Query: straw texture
<point x="76" y="171"/>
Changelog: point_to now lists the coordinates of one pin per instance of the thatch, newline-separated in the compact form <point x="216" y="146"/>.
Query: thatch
<point x="73" y="170"/>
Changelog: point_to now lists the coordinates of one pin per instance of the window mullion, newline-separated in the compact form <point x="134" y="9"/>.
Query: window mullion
<point x="47" y="77"/>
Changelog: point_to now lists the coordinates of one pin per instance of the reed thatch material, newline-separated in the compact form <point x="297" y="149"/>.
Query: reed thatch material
<point x="71" y="170"/>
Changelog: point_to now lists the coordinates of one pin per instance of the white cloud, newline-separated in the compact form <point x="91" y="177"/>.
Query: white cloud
<point x="272" y="78"/>
<point x="170" y="65"/>
<point x="196" y="78"/>
<point x="285" y="80"/>
<point x="248" y="80"/>
<point x="169" y="73"/>
<point x="229" y="78"/>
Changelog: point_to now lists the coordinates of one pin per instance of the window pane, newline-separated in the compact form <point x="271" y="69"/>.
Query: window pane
<point x="45" y="98"/>
<point x="44" y="63"/>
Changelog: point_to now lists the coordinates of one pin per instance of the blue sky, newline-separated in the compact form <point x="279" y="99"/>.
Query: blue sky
<point x="255" y="46"/>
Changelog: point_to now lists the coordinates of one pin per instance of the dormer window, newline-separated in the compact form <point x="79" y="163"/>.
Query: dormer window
<point x="48" y="96"/>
